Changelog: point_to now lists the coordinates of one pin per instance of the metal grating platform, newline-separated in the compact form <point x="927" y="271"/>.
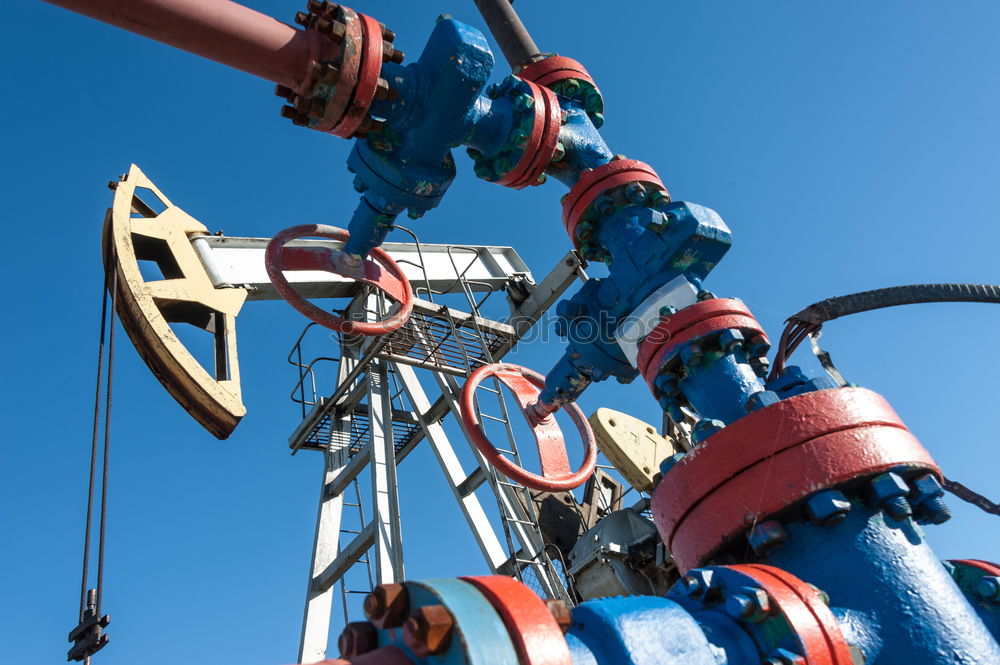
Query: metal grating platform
<point x="438" y="338"/>
<point x="404" y="427"/>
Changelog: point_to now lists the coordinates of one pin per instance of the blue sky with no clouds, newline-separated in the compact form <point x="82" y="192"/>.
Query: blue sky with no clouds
<point x="848" y="146"/>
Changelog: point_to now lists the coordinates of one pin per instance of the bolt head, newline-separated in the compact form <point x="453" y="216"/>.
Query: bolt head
<point x="705" y="428"/>
<point x="988" y="587"/>
<point x="428" y="630"/>
<point x="761" y="399"/>
<point x="827" y="507"/>
<point x="730" y="339"/>
<point x="767" y="536"/>
<point x="387" y="605"/>
<point x="699" y="584"/>
<point x="750" y="604"/>
<point x="561" y="613"/>
<point x="670" y="462"/>
<point x="357" y="638"/>
<point x="886" y="486"/>
<point x="924" y="487"/>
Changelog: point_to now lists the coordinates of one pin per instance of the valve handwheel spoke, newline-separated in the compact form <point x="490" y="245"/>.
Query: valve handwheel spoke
<point x="379" y="270"/>
<point x="526" y="385"/>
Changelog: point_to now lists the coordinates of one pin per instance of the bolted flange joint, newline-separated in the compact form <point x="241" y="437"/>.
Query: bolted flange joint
<point x="338" y="92"/>
<point x="533" y="141"/>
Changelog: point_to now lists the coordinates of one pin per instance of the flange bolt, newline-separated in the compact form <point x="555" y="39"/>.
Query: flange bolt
<point x="827" y="507"/>
<point x="428" y="630"/>
<point x="387" y="605"/>
<point x="751" y="605"/>
<point x="888" y="491"/>
<point x="927" y="497"/>
<point x="561" y="613"/>
<point x="358" y="637"/>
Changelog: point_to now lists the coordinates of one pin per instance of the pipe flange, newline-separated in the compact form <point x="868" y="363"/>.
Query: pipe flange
<point x="534" y="630"/>
<point x="533" y="141"/>
<point x="338" y="93"/>
<point x="569" y="79"/>
<point x="600" y="192"/>
<point x="787" y="619"/>
<point x="814" y="441"/>
<point x="695" y="324"/>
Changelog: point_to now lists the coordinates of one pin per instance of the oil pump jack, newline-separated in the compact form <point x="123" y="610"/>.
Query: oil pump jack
<point x="789" y="506"/>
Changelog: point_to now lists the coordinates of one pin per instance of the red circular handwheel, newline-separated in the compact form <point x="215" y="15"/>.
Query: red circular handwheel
<point x="526" y="385"/>
<point x="379" y="270"/>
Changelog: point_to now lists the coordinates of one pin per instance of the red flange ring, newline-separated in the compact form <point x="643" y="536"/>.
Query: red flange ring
<point x="349" y="66"/>
<point x="790" y="476"/>
<point x="549" y="71"/>
<point x="526" y="385"/>
<point x="541" y="144"/>
<point x="670" y="326"/>
<point x="594" y="183"/>
<point x="803" y="608"/>
<point x="774" y="457"/>
<point x="382" y="273"/>
<point x="367" y="79"/>
<point x="533" y="630"/>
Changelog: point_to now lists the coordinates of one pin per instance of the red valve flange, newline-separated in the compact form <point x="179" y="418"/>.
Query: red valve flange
<point x="700" y="320"/>
<point x="533" y="630"/>
<point x="382" y="273"/>
<point x="541" y="144"/>
<point x="338" y="93"/>
<point x="812" y="441"/>
<point x="600" y="180"/>
<point x="526" y="385"/>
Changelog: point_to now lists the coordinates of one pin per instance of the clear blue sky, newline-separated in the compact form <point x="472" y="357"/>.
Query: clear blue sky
<point x="848" y="145"/>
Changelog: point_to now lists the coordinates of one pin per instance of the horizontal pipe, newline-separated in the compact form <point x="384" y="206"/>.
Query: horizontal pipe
<point x="219" y="30"/>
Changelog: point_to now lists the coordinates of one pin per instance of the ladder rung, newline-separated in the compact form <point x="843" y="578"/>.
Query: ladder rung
<point x="513" y="519"/>
<point x="499" y="420"/>
<point x="349" y="531"/>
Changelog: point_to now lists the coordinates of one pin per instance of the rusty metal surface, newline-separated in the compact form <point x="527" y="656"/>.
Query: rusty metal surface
<point x="219" y="30"/>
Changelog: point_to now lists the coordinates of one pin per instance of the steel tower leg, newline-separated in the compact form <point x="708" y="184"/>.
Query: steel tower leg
<point x="385" y="500"/>
<point x="452" y="468"/>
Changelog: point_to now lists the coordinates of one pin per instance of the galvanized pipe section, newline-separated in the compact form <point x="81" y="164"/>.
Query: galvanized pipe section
<point x="511" y="35"/>
<point x="219" y="30"/>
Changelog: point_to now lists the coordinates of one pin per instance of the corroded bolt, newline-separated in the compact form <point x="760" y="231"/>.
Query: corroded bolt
<point x="383" y="91"/>
<point x="284" y="92"/>
<point x="428" y="630"/>
<point x="302" y="18"/>
<point x="560" y="612"/>
<point x="397" y="56"/>
<point x="387" y="605"/>
<point x="358" y="637"/>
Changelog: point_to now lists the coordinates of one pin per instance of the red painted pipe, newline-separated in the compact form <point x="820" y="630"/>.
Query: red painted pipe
<point x="219" y="30"/>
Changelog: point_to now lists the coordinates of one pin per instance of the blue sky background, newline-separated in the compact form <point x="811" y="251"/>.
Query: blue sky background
<point x="848" y="145"/>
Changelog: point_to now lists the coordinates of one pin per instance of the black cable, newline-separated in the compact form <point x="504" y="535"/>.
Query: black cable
<point x="833" y="308"/>
<point x="93" y="445"/>
<point x="107" y="441"/>
<point x="814" y="316"/>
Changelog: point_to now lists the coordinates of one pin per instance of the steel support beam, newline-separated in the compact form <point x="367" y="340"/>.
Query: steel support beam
<point x="452" y="468"/>
<point x="388" y="554"/>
